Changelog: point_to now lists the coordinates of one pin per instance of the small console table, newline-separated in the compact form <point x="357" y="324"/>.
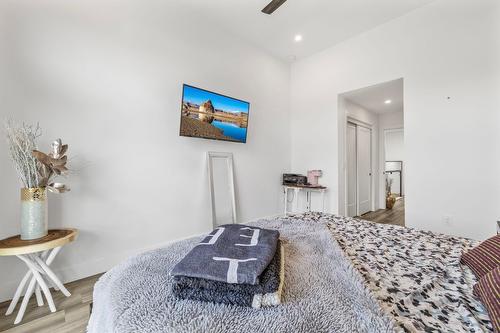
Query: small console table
<point x="308" y="190"/>
<point x="37" y="254"/>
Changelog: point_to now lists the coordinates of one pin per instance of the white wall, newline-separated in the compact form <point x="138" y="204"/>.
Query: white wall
<point x="357" y="112"/>
<point x="449" y="48"/>
<point x="107" y="78"/>
<point x="394" y="145"/>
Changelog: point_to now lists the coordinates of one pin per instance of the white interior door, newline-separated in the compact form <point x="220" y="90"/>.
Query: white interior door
<point x="364" y="176"/>
<point x="351" y="170"/>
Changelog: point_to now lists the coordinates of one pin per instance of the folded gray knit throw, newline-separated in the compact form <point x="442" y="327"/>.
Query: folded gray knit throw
<point x="266" y="293"/>
<point x="232" y="253"/>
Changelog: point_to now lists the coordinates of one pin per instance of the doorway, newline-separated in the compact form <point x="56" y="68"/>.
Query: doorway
<point x="371" y="153"/>
<point x="359" y="169"/>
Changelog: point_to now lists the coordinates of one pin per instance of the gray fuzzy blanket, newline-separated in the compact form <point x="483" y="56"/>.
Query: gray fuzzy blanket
<point x="322" y="293"/>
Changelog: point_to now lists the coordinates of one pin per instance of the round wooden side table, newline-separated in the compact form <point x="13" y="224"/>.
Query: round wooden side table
<point x="37" y="254"/>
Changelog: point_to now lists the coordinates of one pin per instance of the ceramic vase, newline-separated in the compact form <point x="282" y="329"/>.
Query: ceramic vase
<point x="390" y="201"/>
<point x="34" y="213"/>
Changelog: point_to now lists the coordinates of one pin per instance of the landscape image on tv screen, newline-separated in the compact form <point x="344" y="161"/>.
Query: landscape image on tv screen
<point x="208" y="115"/>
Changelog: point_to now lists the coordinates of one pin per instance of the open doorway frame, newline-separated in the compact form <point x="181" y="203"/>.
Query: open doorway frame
<point x="377" y="146"/>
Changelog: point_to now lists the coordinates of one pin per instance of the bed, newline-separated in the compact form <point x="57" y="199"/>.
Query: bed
<point x="341" y="275"/>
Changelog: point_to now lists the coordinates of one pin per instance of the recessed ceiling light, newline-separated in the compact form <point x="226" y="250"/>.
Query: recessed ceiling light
<point x="388" y="101"/>
<point x="298" y="38"/>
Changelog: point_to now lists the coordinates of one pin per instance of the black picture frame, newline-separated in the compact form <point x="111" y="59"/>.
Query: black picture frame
<point x="184" y="85"/>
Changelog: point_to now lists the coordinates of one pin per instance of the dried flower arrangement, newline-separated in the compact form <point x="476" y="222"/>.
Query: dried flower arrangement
<point x="36" y="169"/>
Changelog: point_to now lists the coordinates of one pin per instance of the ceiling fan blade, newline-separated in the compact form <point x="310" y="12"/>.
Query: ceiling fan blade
<point x="272" y="6"/>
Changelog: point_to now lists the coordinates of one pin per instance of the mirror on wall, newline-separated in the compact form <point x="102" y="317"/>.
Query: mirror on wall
<point x="394" y="172"/>
<point x="221" y="188"/>
<point x="394" y="160"/>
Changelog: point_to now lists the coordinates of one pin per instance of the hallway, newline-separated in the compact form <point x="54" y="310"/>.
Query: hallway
<point x="395" y="216"/>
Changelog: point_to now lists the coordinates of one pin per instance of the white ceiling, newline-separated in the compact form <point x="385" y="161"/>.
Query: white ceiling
<point x="322" y="23"/>
<point x="372" y="98"/>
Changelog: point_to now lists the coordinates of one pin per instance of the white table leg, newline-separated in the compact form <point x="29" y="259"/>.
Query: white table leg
<point x="26" y="298"/>
<point x="323" y="201"/>
<point x="296" y="198"/>
<point x="39" y="280"/>
<point x="52" y="255"/>
<point x="50" y="258"/>
<point x="38" y="264"/>
<point x="53" y="277"/>
<point x="308" y="199"/>
<point x="39" y="298"/>
<point x="44" y="256"/>
<point x="285" y="203"/>
<point x="18" y="293"/>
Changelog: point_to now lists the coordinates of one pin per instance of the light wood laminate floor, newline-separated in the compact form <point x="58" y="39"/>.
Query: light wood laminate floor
<point x="72" y="313"/>
<point x="395" y="216"/>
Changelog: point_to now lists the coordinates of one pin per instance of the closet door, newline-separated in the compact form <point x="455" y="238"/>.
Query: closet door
<point x="364" y="175"/>
<point x="351" y="170"/>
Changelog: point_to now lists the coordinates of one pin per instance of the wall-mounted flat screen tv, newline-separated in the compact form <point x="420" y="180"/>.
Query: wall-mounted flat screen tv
<point x="208" y="115"/>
